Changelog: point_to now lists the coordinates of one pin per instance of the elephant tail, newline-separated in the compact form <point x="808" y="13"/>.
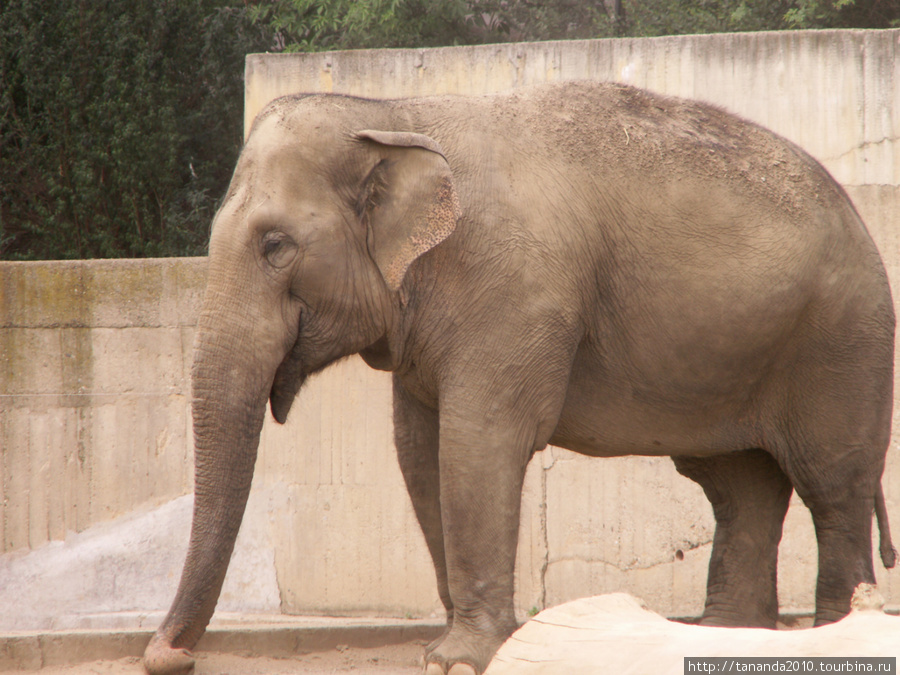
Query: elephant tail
<point x="886" y="547"/>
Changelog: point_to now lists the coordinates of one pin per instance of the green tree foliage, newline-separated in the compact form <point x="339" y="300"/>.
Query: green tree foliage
<point x="313" y="25"/>
<point x="120" y="122"/>
<point x="843" y="14"/>
<point x="677" y="17"/>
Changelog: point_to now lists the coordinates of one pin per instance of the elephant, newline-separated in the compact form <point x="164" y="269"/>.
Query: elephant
<point x="582" y="264"/>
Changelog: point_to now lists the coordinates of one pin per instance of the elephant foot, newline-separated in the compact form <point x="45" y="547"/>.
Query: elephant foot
<point x="162" y="659"/>
<point x="729" y="622"/>
<point x="462" y="653"/>
<point x="458" y="669"/>
<point x="740" y="614"/>
<point x="828" y="615"/>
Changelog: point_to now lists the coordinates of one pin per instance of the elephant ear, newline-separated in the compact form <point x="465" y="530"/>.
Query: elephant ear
<point x="409" y="201"/>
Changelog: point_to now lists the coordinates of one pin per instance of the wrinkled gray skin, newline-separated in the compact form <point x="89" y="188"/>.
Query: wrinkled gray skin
<point x="585" y="265"/>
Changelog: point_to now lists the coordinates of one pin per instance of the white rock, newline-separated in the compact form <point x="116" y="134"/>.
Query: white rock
<point x="616" y="634"/>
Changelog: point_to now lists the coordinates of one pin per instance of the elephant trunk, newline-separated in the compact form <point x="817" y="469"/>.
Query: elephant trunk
<point x="231" y="384"/>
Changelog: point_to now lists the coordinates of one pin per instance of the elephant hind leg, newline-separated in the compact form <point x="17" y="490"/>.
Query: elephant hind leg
<point x="749" y="494"/>
<point x="841" y="500"/>
<point x="833" y="451"/>
<point x="844" y="536"/>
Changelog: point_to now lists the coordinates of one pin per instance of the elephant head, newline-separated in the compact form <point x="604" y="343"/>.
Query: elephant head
<point x="320" y="224"/>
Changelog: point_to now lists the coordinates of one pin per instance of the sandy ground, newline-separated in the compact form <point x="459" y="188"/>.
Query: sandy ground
<point x="402" y="659"/>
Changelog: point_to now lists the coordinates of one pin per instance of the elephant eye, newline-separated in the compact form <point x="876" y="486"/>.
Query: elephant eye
<point x="278" y="248"/>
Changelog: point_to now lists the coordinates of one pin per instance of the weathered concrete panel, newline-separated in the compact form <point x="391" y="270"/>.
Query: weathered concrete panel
<point x="94" y="393"/>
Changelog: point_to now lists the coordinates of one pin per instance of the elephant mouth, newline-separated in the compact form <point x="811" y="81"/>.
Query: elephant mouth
<point x="289" y="377"/>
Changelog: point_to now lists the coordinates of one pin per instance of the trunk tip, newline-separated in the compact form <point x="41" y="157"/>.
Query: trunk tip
<point x="160" y="658"/>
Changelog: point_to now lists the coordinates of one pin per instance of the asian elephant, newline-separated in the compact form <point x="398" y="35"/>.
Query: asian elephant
<point x="586" y="265"/>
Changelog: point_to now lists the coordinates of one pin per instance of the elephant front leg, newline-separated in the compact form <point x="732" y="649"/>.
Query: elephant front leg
<point x="482" y="472"/>
<point x="416" y="437"/>
<point x="750" y="495"/>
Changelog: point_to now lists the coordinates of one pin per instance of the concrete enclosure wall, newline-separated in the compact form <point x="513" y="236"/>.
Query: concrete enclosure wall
<point x="96" y="357"/>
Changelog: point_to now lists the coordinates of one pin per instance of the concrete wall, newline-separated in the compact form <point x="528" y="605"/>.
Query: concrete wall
<point x="95" y="360"/>
<point x="94" y="378"/>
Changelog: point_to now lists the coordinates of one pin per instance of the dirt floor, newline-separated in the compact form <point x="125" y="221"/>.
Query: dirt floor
<point x="402" y="659"/>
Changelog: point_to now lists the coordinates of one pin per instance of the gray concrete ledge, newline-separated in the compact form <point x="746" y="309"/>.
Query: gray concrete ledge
<point x="282" y="637"/>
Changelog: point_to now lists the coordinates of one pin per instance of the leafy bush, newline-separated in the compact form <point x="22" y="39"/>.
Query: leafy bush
<point x="314" y="25"/>
<point x="120" y="122"/>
